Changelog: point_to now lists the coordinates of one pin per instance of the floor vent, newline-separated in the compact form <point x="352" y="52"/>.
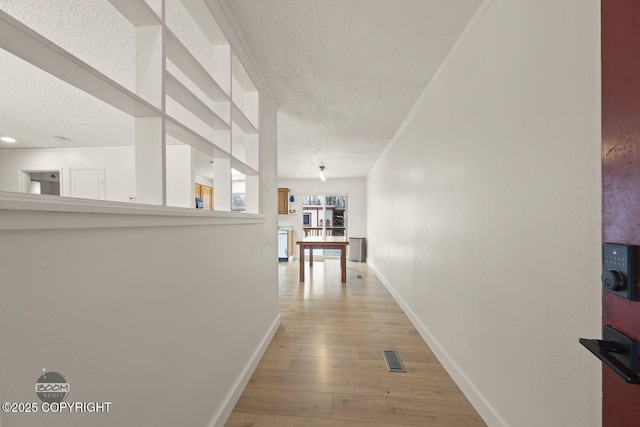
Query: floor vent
<point x="392" y="359"/>
<point x="359" y="276"/>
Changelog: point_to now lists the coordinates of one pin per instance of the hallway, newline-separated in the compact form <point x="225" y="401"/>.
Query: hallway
<point x="324" y="366"/>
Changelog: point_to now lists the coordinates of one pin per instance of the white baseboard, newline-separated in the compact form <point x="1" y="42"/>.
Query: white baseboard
<point x="486" y="411"/>
<point x="232" y="398"/>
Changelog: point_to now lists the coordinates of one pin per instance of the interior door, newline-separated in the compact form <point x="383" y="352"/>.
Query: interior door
<point x="87" y="183"/>
<point x="620" y="183"/>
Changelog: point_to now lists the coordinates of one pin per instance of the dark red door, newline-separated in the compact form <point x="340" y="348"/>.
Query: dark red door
<point x="620" y="183"/>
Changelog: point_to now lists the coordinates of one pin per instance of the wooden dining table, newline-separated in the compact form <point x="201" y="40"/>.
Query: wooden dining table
<point x="324" y="242"/>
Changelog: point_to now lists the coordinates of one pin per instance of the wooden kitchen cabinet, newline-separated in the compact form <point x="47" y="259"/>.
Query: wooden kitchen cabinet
<point x="283" y="200"/>
<point x="206" y="194"/>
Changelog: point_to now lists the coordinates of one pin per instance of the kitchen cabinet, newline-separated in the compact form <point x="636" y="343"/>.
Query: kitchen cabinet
<point x="290" y="243"/>
<point x="283" y="200"/>
<point x="206" y="194"/>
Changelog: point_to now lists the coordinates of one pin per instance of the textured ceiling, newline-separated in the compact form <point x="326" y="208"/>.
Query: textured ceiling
<point x="346" y="72"/>
<point x="35" y="106"/>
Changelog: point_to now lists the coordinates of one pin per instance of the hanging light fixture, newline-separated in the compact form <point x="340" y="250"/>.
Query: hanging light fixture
<point x="321" y="173"/>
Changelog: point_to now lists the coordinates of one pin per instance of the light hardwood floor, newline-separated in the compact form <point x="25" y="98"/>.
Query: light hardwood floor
<point x="324" y="366"/>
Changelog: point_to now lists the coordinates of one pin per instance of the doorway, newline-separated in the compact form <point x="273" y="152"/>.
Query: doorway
<point x="42" y="182"/>
<point x="87" y="183"/>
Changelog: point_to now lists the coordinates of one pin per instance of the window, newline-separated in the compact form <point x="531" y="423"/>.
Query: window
<point x="324" y="216"/>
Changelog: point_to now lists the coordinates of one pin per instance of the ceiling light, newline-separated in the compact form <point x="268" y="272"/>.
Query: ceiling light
<point x="321" y="173"/>
<point x="8" y="139"/>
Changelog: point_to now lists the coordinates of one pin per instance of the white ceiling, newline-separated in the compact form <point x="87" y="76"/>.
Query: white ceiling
<point x="346" y="72"/>
<point x="42" y="111"/>
<point x="35" y="106"/>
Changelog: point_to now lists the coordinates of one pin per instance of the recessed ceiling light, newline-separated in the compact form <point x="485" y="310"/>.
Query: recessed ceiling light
<point x="8" y="139"/>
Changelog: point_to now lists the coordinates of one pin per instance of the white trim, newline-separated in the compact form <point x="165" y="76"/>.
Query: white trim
<point x="26" y="188"/>
<point x="482" y="9"/>
<point x="484" y="408"/>
<point x="220" y="418"/>
<point x="26" y="211"/>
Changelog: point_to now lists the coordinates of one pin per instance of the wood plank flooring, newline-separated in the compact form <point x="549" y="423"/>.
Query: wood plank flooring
<point x="324" y="367"/>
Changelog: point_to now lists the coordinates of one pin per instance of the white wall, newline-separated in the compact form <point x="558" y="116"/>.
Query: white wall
<point x="165" y="321"/>
<point x="118" y="164"/>
<point x="496" y="252"/>
<point x="355" y="188"/>
<point x="238" y="186"/>
<point x="149" y="318"/>
<point x="204" y="180"/>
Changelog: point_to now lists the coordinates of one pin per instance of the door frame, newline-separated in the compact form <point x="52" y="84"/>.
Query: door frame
<point x="102" y="189"/>
<point x="26" y="178"/>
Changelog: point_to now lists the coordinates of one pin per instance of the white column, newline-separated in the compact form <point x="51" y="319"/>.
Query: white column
<point x="150" y="154"/>
<point x="251" y="107"/>
<point x="150" y="64"/>
<point x="150" y="160"/>
<point x="253" y="181"/>
<point x="180" y="175"/>
<point x="253" y="194"/>
<point x="252" y="150"/>
<point x="222" y="184"/>
<point x="222" y="66"/>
